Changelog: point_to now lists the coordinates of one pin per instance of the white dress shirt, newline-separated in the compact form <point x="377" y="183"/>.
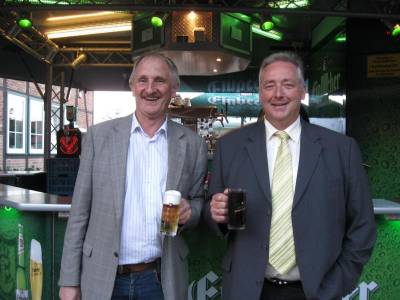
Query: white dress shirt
<point x="273" y="142"/>
<point x="146" y="175"/>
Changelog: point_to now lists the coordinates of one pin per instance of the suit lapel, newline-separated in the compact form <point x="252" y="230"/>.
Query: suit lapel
<point x="120" y="143"/>
<point x="176" y="155"/>
<point x="310" y="149"/>
<point x="256" y="148"/>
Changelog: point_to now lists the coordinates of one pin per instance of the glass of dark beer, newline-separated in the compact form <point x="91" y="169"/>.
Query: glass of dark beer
<point x="236" y="209"/>
<point x="170" y="213"/>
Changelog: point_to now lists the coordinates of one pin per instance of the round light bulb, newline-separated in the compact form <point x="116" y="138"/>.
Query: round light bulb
<point x="267" y="25"/>
<point x="157" y="22"/>
<point x="24" y="23"/>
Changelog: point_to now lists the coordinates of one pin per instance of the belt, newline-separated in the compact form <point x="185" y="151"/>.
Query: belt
<point x="281" y="282"/>
<point x="132" y="268"/>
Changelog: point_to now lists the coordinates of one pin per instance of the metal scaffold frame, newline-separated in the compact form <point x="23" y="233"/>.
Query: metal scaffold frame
<point x="57" y="59"/>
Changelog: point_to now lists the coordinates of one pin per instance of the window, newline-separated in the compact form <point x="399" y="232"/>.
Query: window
<point x="36" y="116"/>
<point x="16" y="111"/>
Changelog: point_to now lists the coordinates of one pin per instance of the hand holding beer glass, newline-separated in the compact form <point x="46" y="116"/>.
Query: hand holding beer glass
<point x="170" y="213"/>
<point x="230" y="207"/>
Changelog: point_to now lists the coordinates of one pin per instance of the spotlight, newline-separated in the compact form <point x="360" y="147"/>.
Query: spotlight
<point x="78" y="60"/>
<point x="267" y="25"/>
<point x="396" y="30"/>
<point x="158" y="20"/>
<point x="24" y="21"/>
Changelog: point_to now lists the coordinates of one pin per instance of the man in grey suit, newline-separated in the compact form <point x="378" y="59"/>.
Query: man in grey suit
<point x="113" y="248"/>
<point x="310" y="224"/>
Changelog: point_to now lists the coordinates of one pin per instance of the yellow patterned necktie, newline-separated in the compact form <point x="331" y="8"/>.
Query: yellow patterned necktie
<point x="281" y="244"/>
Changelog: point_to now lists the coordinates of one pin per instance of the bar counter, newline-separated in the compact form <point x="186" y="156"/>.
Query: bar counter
<point x="35" y="220"/>
<point x="44" y="216"/>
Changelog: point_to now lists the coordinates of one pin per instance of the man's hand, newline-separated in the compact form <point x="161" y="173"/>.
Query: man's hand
<point x="219" y="207"/>
<point x="70" y="293"/>
<point x="185" y="211"/>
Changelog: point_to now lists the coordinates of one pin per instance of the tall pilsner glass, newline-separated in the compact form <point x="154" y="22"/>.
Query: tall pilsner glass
<point x="170" y="213"/>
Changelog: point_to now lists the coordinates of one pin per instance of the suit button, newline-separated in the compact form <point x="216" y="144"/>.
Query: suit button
<point x="116" y="254"/>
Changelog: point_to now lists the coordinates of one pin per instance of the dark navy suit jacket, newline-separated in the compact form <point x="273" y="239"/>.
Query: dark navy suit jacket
<point x="333" y="220"/>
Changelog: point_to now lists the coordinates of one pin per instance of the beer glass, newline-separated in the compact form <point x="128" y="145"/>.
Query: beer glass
<point x="236" y="209"/>
<point x="36" y="270"/>
<point x="170" y="213"/>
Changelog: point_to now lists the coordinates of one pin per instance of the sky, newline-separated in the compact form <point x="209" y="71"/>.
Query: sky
<point x="111" y="105"/>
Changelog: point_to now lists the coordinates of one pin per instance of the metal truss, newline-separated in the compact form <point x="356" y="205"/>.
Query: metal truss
<point x="39" y="46"/>
<point x="95" y="57"/>
<point x="31" y="41"/>
<point x="241" y="6"/>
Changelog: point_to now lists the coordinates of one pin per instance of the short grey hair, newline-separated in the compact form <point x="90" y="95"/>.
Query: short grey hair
<point x="289" y="57"/>
<point x="171" y="65"/>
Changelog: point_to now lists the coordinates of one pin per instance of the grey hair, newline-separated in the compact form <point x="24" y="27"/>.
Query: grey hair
<point x="289" y="57"/>
<point x="171" y="65"/>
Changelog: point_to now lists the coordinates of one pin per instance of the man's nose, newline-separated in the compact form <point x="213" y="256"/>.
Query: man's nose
<point x="150" y="86"/>
<point x="278" y="91"/>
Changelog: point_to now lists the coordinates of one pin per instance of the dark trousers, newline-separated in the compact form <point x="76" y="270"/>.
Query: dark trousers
<point x="292" y="291"/>
<point x="138" y="286"/>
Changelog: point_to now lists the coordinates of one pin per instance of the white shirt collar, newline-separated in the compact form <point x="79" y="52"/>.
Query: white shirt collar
<point x="137" y="127"/>
<point x="293" y="130"/>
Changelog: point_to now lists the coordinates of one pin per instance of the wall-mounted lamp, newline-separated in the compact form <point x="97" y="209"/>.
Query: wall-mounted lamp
<point x="78" y="60"/>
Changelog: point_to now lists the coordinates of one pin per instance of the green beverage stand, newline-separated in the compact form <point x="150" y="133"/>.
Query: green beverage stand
<point x="31" y="220"/>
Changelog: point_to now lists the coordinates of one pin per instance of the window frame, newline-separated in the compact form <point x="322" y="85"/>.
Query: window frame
<point x="35" y="150"/>
<point x="24" y="98"/>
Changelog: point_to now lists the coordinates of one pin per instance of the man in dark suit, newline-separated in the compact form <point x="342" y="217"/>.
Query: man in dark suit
<point x="310" y="225"/>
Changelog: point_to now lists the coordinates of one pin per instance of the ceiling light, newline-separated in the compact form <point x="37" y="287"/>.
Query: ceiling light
<point x="215" y="70"/>
<point x="267" y="25"/>
<point x="272" y="34"/>
<point x="219" y="59"/>
<point x="192" y="15"/>
<point x="89" y="30"/>
<point x="80" y="16"/>
<point x="340" y="37"/>
<point x="396" y="30"/>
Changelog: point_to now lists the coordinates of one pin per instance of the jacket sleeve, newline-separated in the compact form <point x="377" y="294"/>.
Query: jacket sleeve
<point x="360" y="233"/>
<point x="196" y="192"/>
<point x="79" y="217"/>
<point x="216" y="186"/>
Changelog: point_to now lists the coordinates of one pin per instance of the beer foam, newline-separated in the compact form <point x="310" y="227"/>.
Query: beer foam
<point x="172" y="197"/>
<point x="36" y="251"/>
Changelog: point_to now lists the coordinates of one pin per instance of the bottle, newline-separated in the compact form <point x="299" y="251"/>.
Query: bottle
<point x="21" y="292"/>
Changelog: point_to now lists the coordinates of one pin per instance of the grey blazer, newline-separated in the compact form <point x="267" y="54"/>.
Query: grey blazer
<point x="92" y="239"/>
<point x="333" y="220"/>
